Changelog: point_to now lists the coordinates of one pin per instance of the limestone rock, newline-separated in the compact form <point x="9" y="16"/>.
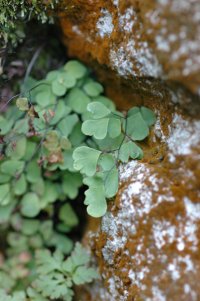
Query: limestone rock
<point x="149" y="40"/>
<point x="148" y="244"/>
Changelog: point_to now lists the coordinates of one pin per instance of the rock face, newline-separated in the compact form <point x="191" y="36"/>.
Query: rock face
<point x="147" y="246"/>
<point x="159" y="39"/>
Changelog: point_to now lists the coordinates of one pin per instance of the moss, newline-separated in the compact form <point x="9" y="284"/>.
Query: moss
<point x="14" y="16"/>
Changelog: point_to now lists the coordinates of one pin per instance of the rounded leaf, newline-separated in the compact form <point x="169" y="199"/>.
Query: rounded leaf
<point x="5" y="196"/>
<point x="68" y="215"/>
<point x="58" y="88"/>
<point x="12" y="167"/>
<point x="85" y="160"/>
<point x="98" y="110"/>
<point x="129" y="150"/>
<point x="77" y="100"/>
<point x="93" y="89"/>
<point x="33" y="172"/>
<point x="148" y="116"/>
<point x="17" y="151"/>
<point x="114" y="127"/>
<point x="75" y="68"/>
<point x="137" y="128"/>
<point x="97" y="128"/>
<point x="30" y="205"/>
<point x="20" y="185"/>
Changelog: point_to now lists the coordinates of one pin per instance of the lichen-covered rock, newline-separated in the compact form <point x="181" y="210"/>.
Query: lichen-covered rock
<point x="158" y="39"/>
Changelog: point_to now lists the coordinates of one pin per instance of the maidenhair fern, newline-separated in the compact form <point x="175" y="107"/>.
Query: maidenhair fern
<point x="61" y="133"/>
<point x="64" y="126"/>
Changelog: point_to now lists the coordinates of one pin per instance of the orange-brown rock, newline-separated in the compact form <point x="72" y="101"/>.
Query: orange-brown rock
<point x="139" y="40"/>
<point x="147" y="247"/>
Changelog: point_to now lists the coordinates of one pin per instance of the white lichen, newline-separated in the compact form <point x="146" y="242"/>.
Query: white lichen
<point x="133" y="58"/>
<point x="183" y="136"/>
<point x="104" y="24"/>
<point x="126" y="20"/>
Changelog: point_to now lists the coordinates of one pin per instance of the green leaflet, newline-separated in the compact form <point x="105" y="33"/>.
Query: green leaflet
<point x="97" y="128"/>
<point x="66" y="125"/>
<point x="106" y="162"/>
<point x="33" y="172"/>
<point x="85" y="160"/>
<point x="5" y="125"/>
<point x="45" y="97"/>
<point x="16" y="296"/>
<point x="30" y="205"/>
<point x="114" y="127"/>
<point x="95" y="197"/>
<point x="68" y="79"/>
<point x="30" y="226"/>
<point x="129" y="150"/>
<point x="5" y="196"/>
<point x="51" y="194"/>
<point x="58" y="112"/>
<point x="21" y="126"/>
<point x="4" y="178"/>
<point x="71" y="183"/>
<point x="79" y="257"/>
<point x="12" y="167"/>
<point x="17" y="151"/>
<point x="93" y="88"/>
<point x="84" y="275"/>
<point x="68" y="216"/>
<point x="105" y="101"/>
<point x="61" y="242"/>
<point x="137" y="128"/>
<point x="56" y="275"/>
<point x="111" y="182"/>
<point x="62" y="83"/>
<point x="110" y="144"/>
<point x="20" y="185"/>
<point x="148" y="115"/>
<point x="77" y="100"/>
<point x="77" y="137"/>
<point x="98" y="110"/>
<point x="76" y="69"/>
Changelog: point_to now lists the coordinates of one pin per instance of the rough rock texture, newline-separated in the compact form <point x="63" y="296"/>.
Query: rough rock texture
<point x="158" y="38"/>
<point x="147" y="246"/>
